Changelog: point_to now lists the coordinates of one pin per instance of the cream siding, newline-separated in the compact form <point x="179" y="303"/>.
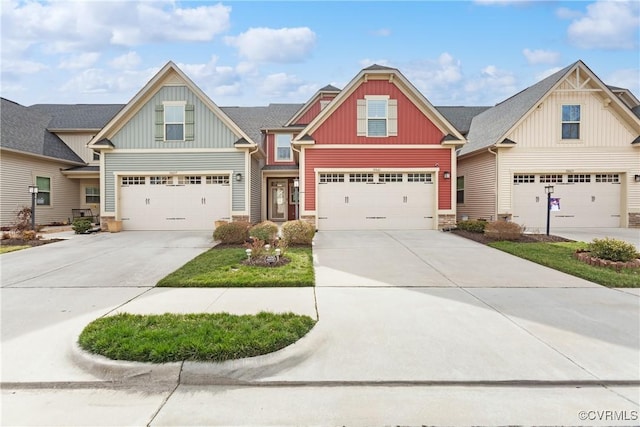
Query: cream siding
<point x="78" y="143"/>
<point x="479" y="172"/>
<point x="209" y="131"/>
<point x="18" y="172"/>
<point x="84" y="183"/>
<point x="623" y="160"/>
<point x="600" y="126"/>
<point x="176" y="163"/>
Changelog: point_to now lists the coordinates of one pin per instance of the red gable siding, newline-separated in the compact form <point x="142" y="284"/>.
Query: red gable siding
<point x="413" y="126"/>
<point x="313" y="111"/>
<point x="377" y="158"/>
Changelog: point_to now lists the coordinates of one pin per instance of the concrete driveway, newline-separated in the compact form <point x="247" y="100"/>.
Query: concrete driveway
<point x="631" y="235"/>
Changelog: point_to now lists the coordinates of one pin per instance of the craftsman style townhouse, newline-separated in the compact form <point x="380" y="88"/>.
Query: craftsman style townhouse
<point x="373" y="155"/>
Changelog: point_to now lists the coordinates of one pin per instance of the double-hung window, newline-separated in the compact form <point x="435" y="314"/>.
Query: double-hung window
<point x="570" y="122"/>
<point x="174" y="122"/>
<point x="92" y="195"/>
<point x="283" y="147"/>
<point x="44" y="191"/>
<point x="460" y="189"/>
<point x="377" y="116"/>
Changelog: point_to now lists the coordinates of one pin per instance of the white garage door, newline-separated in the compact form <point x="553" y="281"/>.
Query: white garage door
<point x="376" y="201"/>
<point x="174" y="202"/>
<point x="584" y="200"/>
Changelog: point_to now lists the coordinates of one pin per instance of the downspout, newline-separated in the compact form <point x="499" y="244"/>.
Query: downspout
<point x="495" y="204"/>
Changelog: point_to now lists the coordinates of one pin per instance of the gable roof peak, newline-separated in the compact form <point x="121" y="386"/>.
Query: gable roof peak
<point x="377" y="67"/>
<point x="329" y="88"/>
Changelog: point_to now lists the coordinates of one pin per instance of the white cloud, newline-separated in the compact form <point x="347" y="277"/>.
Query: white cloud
<point x="566" y="13"/>
<point x="626" y="78"/>
<point x="82" y="60"/>
<point x="283" y="86"/>
<point x="127" y="61"/>
<point x="97" y="81"/>
<point x="284" y="45"/>
<point x="607" y="25"/>
<point x="23" y="67"/>
<point x="546" y="73"/>
<point x="64" y="27"/>
<point x="540" y="56"/>
<point x="492" y="84"/>
<point x="369" y="62"/>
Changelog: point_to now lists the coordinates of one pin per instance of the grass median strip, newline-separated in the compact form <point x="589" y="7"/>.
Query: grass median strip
<point x="559" y="256"/>
<point x="193" y="337"/>
<point x="11" y="248"/>
<point x="223" y="268"/>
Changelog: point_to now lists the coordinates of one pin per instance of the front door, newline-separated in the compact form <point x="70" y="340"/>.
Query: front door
<point x="278" y="200"/>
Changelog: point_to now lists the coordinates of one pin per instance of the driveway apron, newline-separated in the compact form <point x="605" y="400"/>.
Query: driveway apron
<point x="50" y="293"/>
<point x="432" y="306"/>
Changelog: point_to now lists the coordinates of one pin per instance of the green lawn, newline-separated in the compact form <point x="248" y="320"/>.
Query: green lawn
<point x="559" y="257"/>
<point x="195" y="337"/>
<point x="223" y="268"/>
<point x="10" y="248"/>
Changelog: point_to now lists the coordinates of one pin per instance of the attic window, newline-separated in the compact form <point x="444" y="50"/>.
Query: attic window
<point x="376" y="117"/>
<point x="570" y="122"/>
<point x="174" y="122"/>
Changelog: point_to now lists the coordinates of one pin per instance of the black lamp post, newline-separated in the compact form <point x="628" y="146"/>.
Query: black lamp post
<point x="296" y="194"/>
<point x="33" y="189"/>
<point x="549" y="190"/>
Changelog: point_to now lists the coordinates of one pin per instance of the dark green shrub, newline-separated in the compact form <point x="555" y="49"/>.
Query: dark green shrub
<point x="81" y="226"/>
<point x="298" y="232"/>
<point x="232" y="233"/>
<point x="613" y="250"/>
<point x="473" y="225"/>
<point x="266" y="231"/>
<point x="503" y="230"/>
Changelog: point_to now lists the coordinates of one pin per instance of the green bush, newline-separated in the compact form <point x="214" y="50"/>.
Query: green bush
<point x="503" y="230"/>
<point x="81" y="226"/>
<point x="266" y="231"/>
<point x="613" y="250"/>
<point x="298" y="232"/>
<point x="475" y="226"/>
<point x="232" y="233"/>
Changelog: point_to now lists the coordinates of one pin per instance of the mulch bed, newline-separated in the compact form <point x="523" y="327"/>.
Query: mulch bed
<point x="21" y="242"/>
<point x="524" y="238"/>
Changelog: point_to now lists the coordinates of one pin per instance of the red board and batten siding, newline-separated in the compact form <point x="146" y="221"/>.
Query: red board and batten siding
<point x="271" y="152"/>
<point x="377" y="158"/>
<point x="413" y="126"/>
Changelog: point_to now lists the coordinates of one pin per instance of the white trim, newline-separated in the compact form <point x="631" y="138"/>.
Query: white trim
<point x="175" y="150"/>
<point x="385" y="98"/>
<point x="166" y="104"/>
<point x="381" y="146"/>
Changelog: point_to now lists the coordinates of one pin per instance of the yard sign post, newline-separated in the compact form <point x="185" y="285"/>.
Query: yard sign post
<point x="33" y="189"/>
<point x="296" y="187"/>
<point x="549" y="190"/>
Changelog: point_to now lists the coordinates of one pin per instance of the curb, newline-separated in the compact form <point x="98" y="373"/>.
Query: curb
<point x="199" y="373"/>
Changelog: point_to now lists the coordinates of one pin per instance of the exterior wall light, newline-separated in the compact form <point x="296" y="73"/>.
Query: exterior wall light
<point x="636" y="178"/>
<point x="238" y="177"/>
<point x="446" y="174"/>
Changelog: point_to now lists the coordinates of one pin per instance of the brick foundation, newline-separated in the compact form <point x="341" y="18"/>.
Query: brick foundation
<point x="236" y="218"/>
<point x="634" y="220"/>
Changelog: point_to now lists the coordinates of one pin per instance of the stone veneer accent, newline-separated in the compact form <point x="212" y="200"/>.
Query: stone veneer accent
<point x="236" y="218"/>
<point x="311" y="219"/>
<point x="634" y="220"/>
<point x="446" y="221"/>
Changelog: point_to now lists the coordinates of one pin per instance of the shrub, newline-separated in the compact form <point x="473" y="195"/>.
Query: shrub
<point x="81" y="226"/>
<point x="265" y="230"/>
<point x="29" y="235"/>
<point x="474" y="226"/>
<point x="298" y="232"/>
<point x="232" y="233"/>
<point x="503" y="230"/>
<point x="613" y="250"/>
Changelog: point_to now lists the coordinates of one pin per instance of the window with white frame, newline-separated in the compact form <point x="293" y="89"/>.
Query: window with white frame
<point x="377" y="116"/>
<point x="331" y="177"/>
<point x="523" y="178"/>
<point x="552" y="178"/>
<point x="419" y="177"/>
<point x="570" y="122"/>
<point x="283" y="147"/>
<point x="132" y="180"/>
<point x="44" y="191"/>
<point x="92" y="195"/>
<point x="174" y="122"/>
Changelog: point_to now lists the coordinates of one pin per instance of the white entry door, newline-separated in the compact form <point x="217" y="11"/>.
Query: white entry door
<point x="278" y="200"/>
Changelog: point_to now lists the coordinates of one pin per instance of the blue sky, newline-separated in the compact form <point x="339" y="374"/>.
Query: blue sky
<point x="255" y="53"/>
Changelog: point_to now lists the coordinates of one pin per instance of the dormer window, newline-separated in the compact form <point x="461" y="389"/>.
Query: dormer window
<point x="283" y="147"/>
<point x="570" y="122"/>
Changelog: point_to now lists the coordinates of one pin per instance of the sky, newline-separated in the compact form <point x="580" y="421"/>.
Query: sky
<point x="255" y="53"/>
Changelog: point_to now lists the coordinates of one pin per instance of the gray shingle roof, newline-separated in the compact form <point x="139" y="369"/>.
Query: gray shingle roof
<point x="26" y="131"/>
<point x="636" y="110"/>
<point x="487" y="127"/>
<point x="376" y="67"/>
<point x="252" y="119"/>
<point x="329" y="88"/>
<point x="460" y="117"/>
<point x="78" y="116"/>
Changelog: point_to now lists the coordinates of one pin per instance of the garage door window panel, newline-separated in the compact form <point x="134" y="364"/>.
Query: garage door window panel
<point x="552" y="178"/>
<point x="577" y="178"/>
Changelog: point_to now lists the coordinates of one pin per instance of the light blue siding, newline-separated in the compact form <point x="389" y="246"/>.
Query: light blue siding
<point x="256" y="190"/>
<point x="209" y="130"/>
<point x="184" y="162"/>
